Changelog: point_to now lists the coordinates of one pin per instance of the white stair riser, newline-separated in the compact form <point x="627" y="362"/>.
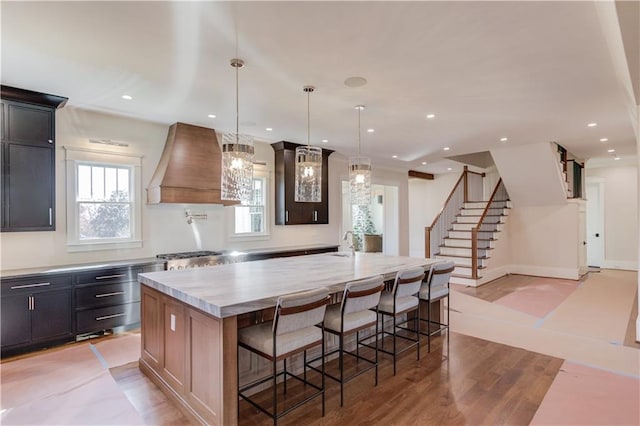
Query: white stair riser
<point x="460" y="261"/>
<point x="463" y="271"/>
<point x="460" y="251"/>
<point x="475" y="205"/>
<point x="487" y="227"/>
<point x="468" y="219"/>
<point x="478" y="212"/>
<point x="467" y="243"/>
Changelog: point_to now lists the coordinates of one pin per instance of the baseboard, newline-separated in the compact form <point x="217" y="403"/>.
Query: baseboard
<point x="545" y="271"/>
<point x="626" y="265"/>
<point x="638" y="329"/>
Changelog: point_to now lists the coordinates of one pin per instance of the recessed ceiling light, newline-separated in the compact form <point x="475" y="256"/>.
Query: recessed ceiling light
<point x="449" y="168"/>
<point x="211" y="116"/>
<point x="604" y="140"/>
<point x="127" y="97"/>
<point x="268" y="129"/>
<point x="325" y="140"/>
<point x="355" y="81"/>
<point x="371" y="130"/>
<point x="592" y="124"/>
<point x="430" y="116"/>
<point x="616" y="158"/>
<point x="504" y="139"/>
<point x="446" y="148"/>
<point x="611" y="150"/>
<point x="424" y="163"/>
<point x="394" y="156"/>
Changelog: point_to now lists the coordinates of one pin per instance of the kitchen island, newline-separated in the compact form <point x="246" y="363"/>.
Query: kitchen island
<point x="190" y="319"/>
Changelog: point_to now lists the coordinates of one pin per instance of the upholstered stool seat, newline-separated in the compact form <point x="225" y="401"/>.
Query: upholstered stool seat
<point x="435" y="288"/>
<point x="353" y="314"/>
<point x="293" y="330"/>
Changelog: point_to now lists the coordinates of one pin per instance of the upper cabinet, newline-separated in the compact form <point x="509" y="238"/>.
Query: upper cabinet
<point x="27" y="159"/>
<point x="287" y="210"/>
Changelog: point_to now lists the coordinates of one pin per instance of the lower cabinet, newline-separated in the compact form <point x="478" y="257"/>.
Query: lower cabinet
<point x="36" y="313"/>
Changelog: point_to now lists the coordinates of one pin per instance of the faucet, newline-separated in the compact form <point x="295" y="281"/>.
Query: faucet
<point x="352" y="246"/>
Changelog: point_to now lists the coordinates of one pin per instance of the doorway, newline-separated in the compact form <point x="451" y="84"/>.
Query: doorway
<point x="379" y="218"/>
<point x="595" y="222"/>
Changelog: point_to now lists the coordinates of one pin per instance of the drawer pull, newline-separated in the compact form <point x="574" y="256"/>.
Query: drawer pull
<point x="109" y="316"/>
<point x="115" y="293"/>
<point x="106" y="277"/>
<point x="30" y="285"/>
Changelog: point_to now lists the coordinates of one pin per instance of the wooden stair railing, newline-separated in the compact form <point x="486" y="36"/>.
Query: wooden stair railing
<point x="499" y="195"/>
<point x="463" y="192"/>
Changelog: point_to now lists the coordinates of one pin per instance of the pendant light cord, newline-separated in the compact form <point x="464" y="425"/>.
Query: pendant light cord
<point x="308" y="119"/>
<point x="237" y="108"/>
<point x="359" y="131"/>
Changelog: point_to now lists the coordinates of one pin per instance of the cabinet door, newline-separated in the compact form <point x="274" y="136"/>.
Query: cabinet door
<point x="29" y="124"/>
<point x="295" y="213"/>
<point x="51" y="315"/>
<point x="29" y="187"/>
<point x="16" y="318"/>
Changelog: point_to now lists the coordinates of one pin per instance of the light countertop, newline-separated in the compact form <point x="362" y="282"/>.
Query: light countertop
<point x="233" y="289"/>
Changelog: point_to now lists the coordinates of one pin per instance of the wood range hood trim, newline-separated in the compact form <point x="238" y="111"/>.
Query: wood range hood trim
<point x="189" y="169"/>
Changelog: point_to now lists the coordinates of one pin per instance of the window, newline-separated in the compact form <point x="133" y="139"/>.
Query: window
<point x="250" y="220"/>
<point x="103" y="205"/>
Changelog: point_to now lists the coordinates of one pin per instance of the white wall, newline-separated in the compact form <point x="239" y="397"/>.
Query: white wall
<point x="164" y="226"/>
<point x="620" y="214"/>
<point x="544" y="240"/>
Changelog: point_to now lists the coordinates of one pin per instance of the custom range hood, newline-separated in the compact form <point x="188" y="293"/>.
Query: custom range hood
<point x="189" y="169"/>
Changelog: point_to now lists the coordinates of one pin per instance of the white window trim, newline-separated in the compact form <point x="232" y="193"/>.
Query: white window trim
<point x="262" y="172"/>
<point x="75" y="155"/>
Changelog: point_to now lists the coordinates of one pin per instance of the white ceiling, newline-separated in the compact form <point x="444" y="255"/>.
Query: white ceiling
<point x="529" y="71"/>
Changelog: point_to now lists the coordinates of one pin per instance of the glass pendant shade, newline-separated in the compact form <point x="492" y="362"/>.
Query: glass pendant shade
<point x="237" y="167"/>
<point x="360" y="180"/>
<point x="308" y="174"/>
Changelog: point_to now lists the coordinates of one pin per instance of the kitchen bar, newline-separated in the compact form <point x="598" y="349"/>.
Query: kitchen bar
<point x="190" y="319"/>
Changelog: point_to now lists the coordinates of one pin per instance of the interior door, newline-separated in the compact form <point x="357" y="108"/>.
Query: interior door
<point x="595" y="224"/>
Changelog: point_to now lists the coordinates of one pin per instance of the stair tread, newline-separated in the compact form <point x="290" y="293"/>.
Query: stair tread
<point x="460" y="256"/>
<point x="468" y="230"/>
<point x="468" y="239"/>
<point x="465" y="247"/>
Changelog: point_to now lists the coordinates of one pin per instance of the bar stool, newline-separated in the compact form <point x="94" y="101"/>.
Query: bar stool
<point x="293" y="330"/>
<point x="357" y="311"/>
<point x="434" y="288"/>
<point x="401" y="300"/>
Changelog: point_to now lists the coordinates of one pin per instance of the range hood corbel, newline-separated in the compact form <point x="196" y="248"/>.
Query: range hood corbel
<point x="189" y="169"/>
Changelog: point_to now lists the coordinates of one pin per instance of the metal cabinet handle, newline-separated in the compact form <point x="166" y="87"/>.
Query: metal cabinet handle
<point x="315" y="215"/>
<point x="29" y="285"/>
<point x="33" y="303"/>
<point x="50" y="216"/>
<point x="115" y="293"/>
<point x="30" y="301"/>
<point x="50" y="140"/>
<point x="109" y="317"/>
<point x="286" y="215"/>
<point x="104" y="277"/>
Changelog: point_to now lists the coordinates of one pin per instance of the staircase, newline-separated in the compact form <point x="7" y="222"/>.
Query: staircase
<point x="458" y="244"/>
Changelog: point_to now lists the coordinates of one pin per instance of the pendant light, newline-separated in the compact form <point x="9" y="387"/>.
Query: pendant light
<point x="308" y="166"/>
<point x="237" y="158"/>
<point x="360" y="173"/>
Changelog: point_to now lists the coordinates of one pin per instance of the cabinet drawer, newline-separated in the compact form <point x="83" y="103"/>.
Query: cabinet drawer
<point x="103" y="276"/>
<point x="109" y="294"/>
<point x="30" y="285"/>
<point x="109" y="317"/>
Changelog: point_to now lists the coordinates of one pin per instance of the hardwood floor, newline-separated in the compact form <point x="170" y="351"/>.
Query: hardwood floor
<point x="481" y="383"/>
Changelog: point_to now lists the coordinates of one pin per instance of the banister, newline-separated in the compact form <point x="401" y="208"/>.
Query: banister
<point x="447" y="201"/>
<point x="486" y="209"/>
<point x="475" y="230"/>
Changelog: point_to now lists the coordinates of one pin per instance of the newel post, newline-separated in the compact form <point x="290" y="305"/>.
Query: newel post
<point x="427" y="241"/>
<point x="466" y="184"/>
<point x="474" y="253"/>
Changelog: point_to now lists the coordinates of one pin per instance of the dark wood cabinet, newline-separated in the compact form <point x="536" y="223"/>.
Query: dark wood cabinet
<point x="27" y="152"/>
<point x="287" y="210"/>
<point x="36" y="312"/>
<point x="109" y="297"/>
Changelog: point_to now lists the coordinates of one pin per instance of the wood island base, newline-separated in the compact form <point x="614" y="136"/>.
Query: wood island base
<point x="191" y="356"/>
